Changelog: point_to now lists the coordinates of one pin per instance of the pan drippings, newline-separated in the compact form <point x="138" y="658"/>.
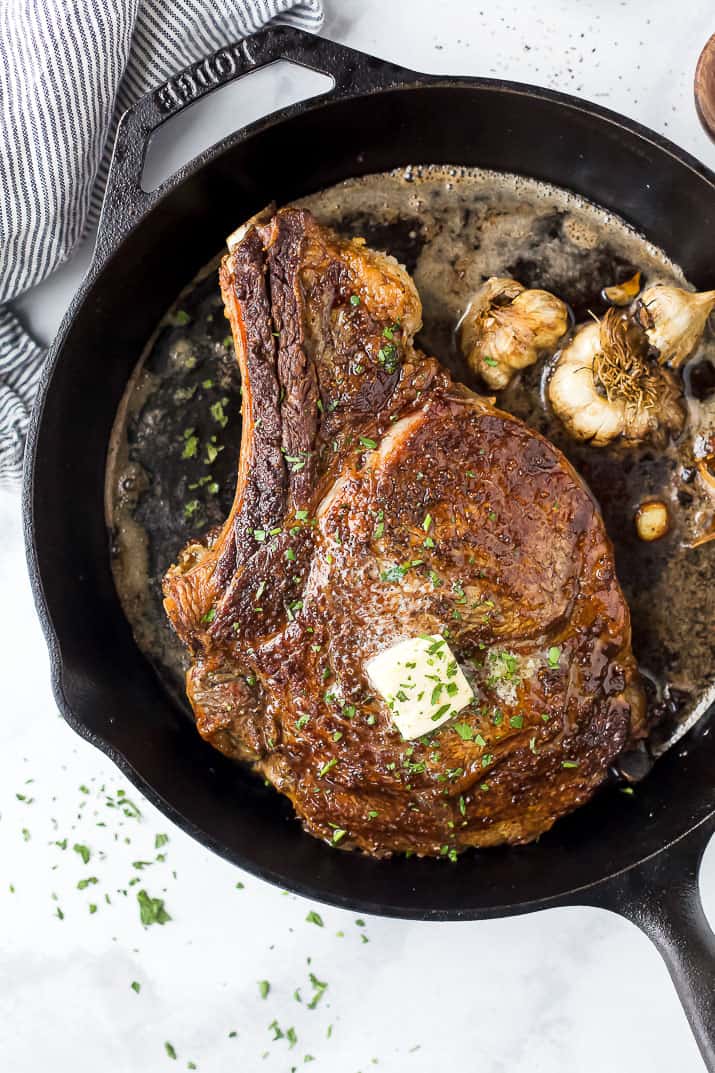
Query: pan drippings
<point x="175" y="443"/>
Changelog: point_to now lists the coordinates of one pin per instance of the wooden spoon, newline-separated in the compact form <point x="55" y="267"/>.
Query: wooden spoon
<point x="705" y="87"/>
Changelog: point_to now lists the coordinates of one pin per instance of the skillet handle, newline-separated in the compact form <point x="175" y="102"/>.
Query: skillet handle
<point x="661" y="896"/>
<point x="125" y="203"/>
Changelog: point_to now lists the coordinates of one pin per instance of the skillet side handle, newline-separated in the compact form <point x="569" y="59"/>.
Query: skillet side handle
<point x="125" y="202"/>
<point x="661" y="896"/>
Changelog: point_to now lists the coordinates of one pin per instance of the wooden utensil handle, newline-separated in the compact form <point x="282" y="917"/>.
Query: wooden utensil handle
<point x="705" y="87"/>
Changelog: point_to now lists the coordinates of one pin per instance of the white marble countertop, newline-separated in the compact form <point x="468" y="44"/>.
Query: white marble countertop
<point x="565" y="990"/>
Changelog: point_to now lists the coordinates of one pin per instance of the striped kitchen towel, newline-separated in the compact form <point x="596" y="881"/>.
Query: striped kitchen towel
<point x="68" y="69"/>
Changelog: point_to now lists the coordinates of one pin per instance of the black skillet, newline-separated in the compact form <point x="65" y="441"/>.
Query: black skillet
<point x="637" y="856"/>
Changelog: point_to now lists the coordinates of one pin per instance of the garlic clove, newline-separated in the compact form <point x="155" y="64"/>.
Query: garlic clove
<point x="674" y="320"/>
<point x="621" y="294"/>
<point x="652" y="521"/>
<point x="706" y="474"/>
<point x="544" y="315"/>
<point x="506" y="327"/>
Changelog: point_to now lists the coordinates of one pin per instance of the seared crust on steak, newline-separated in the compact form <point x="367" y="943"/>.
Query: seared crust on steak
<point x="351" y="439"/>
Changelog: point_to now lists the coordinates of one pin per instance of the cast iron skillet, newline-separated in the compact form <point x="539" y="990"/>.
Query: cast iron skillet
<point x="637" y="856"/>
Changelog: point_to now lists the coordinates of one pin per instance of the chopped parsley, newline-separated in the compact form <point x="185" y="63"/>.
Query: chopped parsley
<point x="569" y="763"/>
<point x="503" y="666"/>
<point x="314" y="918"/>
<point x="136" y="986"/>
<point x="170" y="1050"/>
<point x="297" y="462"/>
<point x="389" y="357"/>
<point x="554" y="656"/>
<point x="394" y="573"/>
<point x="83" y="852"/>
<point x="327" y="767"/>
<point x="218" y="413"/>
<point x="151" y="910"/>
<point x="354" y="299"/>
<point x="212" y="453"/>
<point x="263" y="988"/>
<point x="365" y="441"/>
<point x="191" y="444"/>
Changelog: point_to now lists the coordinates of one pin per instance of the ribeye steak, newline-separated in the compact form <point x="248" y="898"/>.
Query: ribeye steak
<point x="379" y="500"/>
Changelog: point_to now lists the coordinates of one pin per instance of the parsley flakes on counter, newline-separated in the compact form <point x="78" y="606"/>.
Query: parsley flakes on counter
<point x="151" y="910"/>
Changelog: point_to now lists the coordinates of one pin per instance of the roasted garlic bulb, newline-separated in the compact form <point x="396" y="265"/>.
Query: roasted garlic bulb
<point x="507" y="327"/>
<point x="604" y="387"/>
<point x="673" y="319"/>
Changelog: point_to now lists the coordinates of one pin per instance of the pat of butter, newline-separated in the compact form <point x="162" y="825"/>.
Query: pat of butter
<point x="421" y="683"/>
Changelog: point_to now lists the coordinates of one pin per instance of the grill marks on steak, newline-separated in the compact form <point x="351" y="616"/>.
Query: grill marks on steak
<point x="513" y="563"/>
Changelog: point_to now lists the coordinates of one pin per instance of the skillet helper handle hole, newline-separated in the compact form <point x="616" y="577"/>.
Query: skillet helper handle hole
<point x="662" y="897"/>
<point x="130" y="193"/>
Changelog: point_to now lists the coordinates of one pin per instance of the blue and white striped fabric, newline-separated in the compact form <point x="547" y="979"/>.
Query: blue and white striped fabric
<point x="68" y="69"/>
